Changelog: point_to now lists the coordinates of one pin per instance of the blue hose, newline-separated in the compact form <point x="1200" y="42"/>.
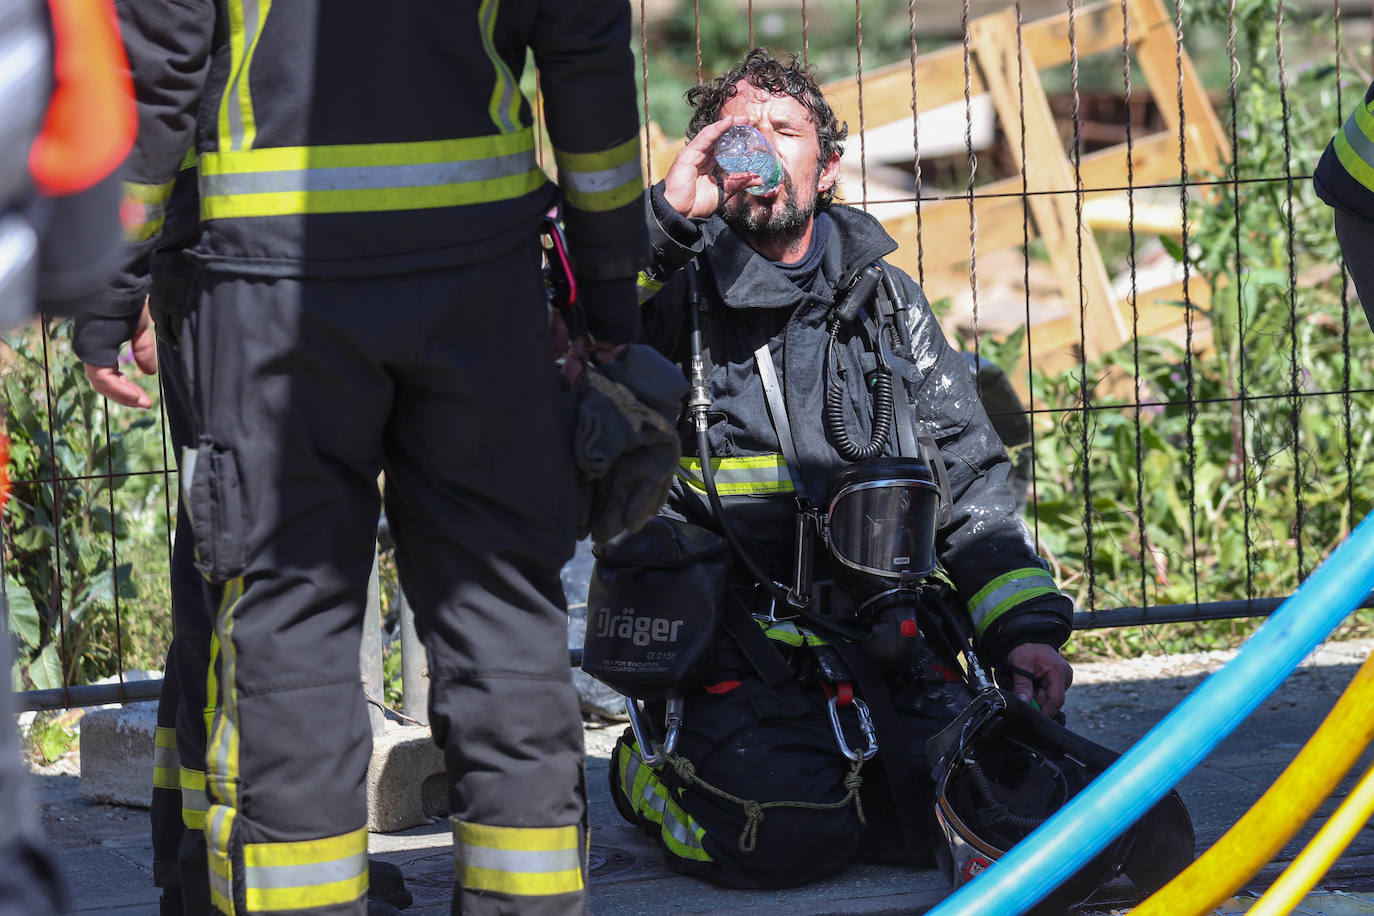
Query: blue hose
<point x="1145" y="774"/>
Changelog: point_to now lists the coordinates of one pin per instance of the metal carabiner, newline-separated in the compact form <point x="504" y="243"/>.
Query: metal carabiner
<point x="865" y="726"/>
<point x="673" y="721"/>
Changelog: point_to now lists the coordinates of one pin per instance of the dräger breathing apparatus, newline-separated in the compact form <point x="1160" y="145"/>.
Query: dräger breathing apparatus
<point x="1000" y="767"/>
<point x="878" y="524"/>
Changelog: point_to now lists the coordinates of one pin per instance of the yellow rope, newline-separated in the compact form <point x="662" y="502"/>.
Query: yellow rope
<point x="1313" y="862"/>
<point x="1280" y="812"/>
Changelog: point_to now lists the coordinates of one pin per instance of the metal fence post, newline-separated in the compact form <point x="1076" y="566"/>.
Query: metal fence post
<point x="414" y="665"/>
<point x="370" y="655"/>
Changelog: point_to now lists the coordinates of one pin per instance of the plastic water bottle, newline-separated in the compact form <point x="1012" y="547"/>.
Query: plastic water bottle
<point x="743" y="149"/>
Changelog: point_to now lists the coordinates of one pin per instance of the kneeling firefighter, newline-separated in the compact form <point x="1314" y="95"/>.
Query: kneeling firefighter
<point x="805" y="622"/>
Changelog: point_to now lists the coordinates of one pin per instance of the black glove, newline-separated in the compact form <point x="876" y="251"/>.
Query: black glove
<point x="625" y="441"/>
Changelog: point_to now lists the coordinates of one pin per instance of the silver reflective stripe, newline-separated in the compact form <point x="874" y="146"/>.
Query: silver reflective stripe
<point x="680" y="832"/>
<point x="520" y="860"/>
<point x="167" y="758"/>
<point x="1007" y="591"/>
<point x="283" y="876"/>
<point x="603" y="180"/>
<point x="239" y="86"/>
<point x="505" y="80"/>
<point x="194" y="800"/>
<point x="18" y="270"/>
<point x="371" y="177"/>
<point x="1361" y="144"/>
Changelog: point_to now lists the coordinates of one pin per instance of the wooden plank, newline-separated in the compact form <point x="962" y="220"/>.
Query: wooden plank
<point x="943" y="225"/>
<point x="940" y="74"/>
<point x="1073" y="251"/>
<point x="1160" y="61"/>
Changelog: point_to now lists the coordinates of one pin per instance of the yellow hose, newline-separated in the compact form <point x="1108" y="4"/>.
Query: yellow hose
<point x="1304" y="871"/>
<point x="1279" y="813"/>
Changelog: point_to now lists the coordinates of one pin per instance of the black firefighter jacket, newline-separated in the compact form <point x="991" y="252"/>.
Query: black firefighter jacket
<point x="337" y="138"/>
<point x="985" y="548"/>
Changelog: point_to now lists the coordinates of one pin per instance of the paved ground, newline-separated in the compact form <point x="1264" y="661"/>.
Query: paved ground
<point x="105" y="854"/>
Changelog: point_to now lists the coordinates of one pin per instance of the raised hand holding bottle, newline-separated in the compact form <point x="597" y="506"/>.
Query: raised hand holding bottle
<point x="743" y="149"/>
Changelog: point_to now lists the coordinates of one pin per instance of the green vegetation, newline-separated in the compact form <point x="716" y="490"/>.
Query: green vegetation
<point x="86" y="527"/>
<point x="1246" y="463"/>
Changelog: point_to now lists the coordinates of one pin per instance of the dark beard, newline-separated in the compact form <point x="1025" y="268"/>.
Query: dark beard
<point x="785" y="224"/>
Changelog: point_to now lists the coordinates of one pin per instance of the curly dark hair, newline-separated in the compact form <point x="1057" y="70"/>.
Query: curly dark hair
<point x="780" y="77"/>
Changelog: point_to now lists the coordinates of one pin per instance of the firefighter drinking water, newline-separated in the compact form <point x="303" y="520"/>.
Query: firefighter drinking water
<point x="835" y="454"/>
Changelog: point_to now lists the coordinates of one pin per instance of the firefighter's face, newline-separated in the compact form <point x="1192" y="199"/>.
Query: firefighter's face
<point x="787" y="124"/>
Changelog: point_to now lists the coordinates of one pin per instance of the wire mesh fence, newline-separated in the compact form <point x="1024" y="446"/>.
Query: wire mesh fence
<point x="1109" y="204"/>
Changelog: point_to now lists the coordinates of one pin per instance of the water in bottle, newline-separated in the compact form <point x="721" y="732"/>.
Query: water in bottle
<point x="743" y="149"/>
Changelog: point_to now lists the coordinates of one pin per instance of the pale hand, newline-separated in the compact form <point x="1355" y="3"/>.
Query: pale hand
<point x="1053" y="675"/>
<point x="118" y="387"/>
<point x="690" y="186"/>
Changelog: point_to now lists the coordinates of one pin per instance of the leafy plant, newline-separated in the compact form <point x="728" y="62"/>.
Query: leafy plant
<point x="1230" y="471"/>
<point x="80" y="519"/>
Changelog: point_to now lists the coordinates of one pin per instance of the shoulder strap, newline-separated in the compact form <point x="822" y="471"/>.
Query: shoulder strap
<point x="777" y="411"/>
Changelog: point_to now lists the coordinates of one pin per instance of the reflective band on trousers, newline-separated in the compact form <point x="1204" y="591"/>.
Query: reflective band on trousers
<point x="285" y="181"/>
<point x="166" y="760"/>
<point x="194" y="801"/>
<point x="219" y="827"/>
<point x="1355" y="145"/>
<point x="305" y="874"/>
<point x="680" y="832"/>
<point x="520" y="861"/>
<point x="756" y="475"/>
<point x="601" y="181"/>
<point x="1006" y="592"/>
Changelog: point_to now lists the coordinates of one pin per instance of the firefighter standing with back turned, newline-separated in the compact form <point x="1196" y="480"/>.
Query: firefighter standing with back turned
<point x="369" y="297"/>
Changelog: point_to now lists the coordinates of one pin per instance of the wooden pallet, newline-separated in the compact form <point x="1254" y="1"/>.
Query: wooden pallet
<point x="1056" y="197"/>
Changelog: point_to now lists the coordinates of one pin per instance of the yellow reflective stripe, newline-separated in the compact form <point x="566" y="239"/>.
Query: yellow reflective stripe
<point x="301" y="874"/>
<point x="678" y="830"/>
<point x="219" y="826"/>
<point x="784" y="631"/>
<point x="504" y="107"/>
<point x="237" y="124"/>
<point x="211" y="686"/>
<point x="647" y="286"/>
<point x="149" y="201"/>
<point x="520" y="861"/>
<point x="222" y="752"/>
<point x="755" y="475"/>
<point x="601" y="181"/>
<point x="358" y="178"/>
<point x="194" y="802"/>
<point x="1006" y="592"/>
<point x="188" y="161"/>
<point x="166" y="759"/>
<point x="357" y="155"/>
<point x="1354" y="144"/>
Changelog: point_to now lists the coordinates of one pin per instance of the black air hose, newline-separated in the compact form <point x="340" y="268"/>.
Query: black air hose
<point x="834" y="409"/>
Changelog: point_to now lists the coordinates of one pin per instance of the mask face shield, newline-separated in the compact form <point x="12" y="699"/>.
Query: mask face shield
<point x="1001" y="769"/>
<point x="881" y="518"/>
